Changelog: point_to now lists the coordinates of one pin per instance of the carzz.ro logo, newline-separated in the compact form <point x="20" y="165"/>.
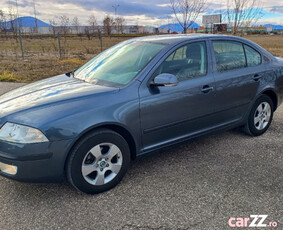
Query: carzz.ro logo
<point x="252" y="221"/>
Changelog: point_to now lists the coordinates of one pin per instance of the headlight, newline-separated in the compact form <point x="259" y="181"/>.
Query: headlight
<point x="21" y="134"/>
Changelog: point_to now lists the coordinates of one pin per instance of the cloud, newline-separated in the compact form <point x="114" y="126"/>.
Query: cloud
<point x="274" y="21"/>
<point x="21" y="4"/>
<point x="277" y="9"/>
<point x="129" y="8"/>
<point x="143" y="12"/>
<point x="215" y="8"/>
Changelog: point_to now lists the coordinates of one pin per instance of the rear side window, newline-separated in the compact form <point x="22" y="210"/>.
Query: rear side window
<point x="253" y="57"/>
<point x="229" y="55"/>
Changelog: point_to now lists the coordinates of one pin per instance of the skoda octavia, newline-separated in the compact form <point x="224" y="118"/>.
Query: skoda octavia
<point x="135" y="97"/>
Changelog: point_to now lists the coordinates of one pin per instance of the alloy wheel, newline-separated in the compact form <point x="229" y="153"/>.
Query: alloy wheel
<point x="262" y="116"/>
<point x="102" y="164"/>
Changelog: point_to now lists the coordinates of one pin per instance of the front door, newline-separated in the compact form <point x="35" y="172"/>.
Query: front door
<point x="170" y="114"/>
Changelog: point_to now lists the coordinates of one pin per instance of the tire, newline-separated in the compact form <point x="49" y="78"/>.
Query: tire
<point x="98" y="162"/>
<point x="260" y="117"/>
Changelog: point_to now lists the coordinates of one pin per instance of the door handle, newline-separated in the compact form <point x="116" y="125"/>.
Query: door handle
<point x="257" y="77"/>
<point x="206" y="89"/>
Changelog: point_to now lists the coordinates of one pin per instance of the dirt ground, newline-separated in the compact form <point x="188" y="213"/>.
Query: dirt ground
<point x="42" y="60"/>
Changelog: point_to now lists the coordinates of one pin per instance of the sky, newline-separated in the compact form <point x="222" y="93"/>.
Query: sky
<point x="135" y="12"/>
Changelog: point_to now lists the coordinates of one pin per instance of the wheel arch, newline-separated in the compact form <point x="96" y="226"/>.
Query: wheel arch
<point x="114" y="127"/>
<point x="273" y="96"/>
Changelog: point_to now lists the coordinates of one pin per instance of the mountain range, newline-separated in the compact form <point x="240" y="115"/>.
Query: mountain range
<point x="275" y="27"/>
<point x="27" y="22"/>
<point x="31" y="22"/>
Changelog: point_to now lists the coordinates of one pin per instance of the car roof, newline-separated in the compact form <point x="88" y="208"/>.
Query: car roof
<point x="174" y="39"/>
<point x="177" y="38"/>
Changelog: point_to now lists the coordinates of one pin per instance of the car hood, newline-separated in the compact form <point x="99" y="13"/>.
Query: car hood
<point x="47" y="92"/>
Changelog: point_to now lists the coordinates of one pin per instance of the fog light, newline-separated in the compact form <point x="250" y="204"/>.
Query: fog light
<point x="9" y="169"/>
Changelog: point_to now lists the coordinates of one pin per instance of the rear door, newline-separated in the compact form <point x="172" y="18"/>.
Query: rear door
<point x="238" y="70"/>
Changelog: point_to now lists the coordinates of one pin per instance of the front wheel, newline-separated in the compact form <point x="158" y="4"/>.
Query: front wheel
<point x="98" y="162"/>
<point x="260" y="116"/>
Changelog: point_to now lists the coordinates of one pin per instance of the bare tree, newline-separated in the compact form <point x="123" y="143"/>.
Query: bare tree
<point x="12" y="20"/>
<point x="76" y="24"/>
<point x="87" y="32"/>
<point x="64" y="24"/>
<point x="108" y="24"/>
<point x="243" y="13"/>
<point x="3" y="24"/>
<point x="187" y="11"/>
<point x="120" y="23"/>
<point x="93" y="24"/>
<point x="53" y="24"/>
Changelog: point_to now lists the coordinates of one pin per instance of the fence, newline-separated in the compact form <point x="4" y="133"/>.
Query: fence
<point x="62" y="45"/>
<point x="26" y="57"/>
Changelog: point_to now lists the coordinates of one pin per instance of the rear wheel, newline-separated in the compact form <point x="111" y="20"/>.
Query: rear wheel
<point x="260" y="116"/>
<point x="98" y="162"/>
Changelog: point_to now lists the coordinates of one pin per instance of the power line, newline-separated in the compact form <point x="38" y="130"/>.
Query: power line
<point x="18" y="16"/>
<point x="35" y="19"/>
<point x="115" y="8"/>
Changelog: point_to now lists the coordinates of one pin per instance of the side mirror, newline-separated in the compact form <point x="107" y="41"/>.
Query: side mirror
<point x="165" y="79"/>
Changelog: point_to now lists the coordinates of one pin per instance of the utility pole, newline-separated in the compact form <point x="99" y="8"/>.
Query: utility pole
<point x="168" y="30"/>
<point x="59" y="44"/>
<point x="18" y="20"/>
<point x="115" y="9"/>
<point x="35" y="19"/>
<point x="20" y="34"/>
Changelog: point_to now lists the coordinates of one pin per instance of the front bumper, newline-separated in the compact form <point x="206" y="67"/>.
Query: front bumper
<point x="40" y="162"/>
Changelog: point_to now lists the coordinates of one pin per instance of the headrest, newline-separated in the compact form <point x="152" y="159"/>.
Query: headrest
<point x="193" y="51"/>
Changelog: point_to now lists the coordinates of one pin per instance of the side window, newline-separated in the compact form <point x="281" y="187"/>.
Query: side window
<point x="266" y="59"/>
<point x="186" y="62"/>
<point x="229" y="55"/>
<point x="253" y="57"/>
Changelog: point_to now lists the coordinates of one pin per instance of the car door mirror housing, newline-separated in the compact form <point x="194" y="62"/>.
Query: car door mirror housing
<point x="165" y="79"/>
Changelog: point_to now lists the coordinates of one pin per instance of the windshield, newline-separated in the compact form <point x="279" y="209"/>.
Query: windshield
<point x="118" y="65"/>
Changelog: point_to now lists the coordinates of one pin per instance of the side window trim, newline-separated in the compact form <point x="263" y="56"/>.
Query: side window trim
<point x="174" y="53"/>
<point x="246" y="59"/>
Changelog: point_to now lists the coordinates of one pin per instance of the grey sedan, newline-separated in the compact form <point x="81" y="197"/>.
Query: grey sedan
<point x="134" y="98"/>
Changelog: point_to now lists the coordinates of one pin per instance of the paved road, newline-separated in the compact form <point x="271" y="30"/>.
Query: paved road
<point x="198" y="185"/>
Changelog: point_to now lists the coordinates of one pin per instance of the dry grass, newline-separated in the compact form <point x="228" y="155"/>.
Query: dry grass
<point x="42" y="55"/>
<point x="7" y="76"/>
<point x="272" y="43"/>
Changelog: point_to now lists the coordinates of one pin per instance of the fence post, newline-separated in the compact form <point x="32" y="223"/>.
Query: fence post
<point x="59" y="44"/>
<point x="100" y="39"/>
<point x="101" y="46"/>
<point x="21" y="43"/>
